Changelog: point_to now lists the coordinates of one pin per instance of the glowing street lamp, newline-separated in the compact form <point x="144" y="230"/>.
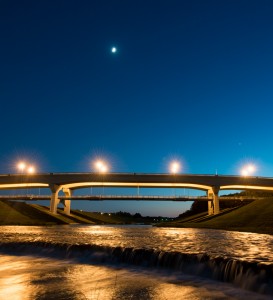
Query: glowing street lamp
<point x="251" y="168"/>
<point x="244" y="172"/>
<point x="24" y="167"/>
<point x="103" y="169"/>
<point x="21" y="166"/>
<point x="31" y="170"/>
<point x="248" y="170"/>
<point x="101" y="166"/>
<point x="175" y="167"/>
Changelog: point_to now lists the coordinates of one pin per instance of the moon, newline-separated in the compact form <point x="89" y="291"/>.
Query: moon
<point x="113" y="49"/>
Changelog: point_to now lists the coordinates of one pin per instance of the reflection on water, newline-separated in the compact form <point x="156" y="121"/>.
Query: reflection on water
<point x="29" y="277"/>
<point x="32" y="278"/>
<point x="237" y="245"/>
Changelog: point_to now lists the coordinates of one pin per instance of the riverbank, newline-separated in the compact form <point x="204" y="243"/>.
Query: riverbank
<point x="255" y="217"/>
<point x="21" y="213"/>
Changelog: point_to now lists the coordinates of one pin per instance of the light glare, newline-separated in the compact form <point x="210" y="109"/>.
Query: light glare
<point x="174" y="167"/>
<point x="101" y="166"/>
<point x="21" y="166"/>
<point x="31" y="170"/>
<point x="248" y="170"/>
<point x="244" y="172"/>
<point x="251" y="168"/>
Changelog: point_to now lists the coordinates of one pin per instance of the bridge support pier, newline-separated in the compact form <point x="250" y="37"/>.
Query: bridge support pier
<point x="67" y="203"/>
<point x="210" y="202"/>
<point x="216" y="205"/>
<point x="54" y="201"/>
<point x="213" y="206"/>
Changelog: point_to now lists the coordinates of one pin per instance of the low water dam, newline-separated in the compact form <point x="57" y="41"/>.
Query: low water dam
<point x="134" y="262"/>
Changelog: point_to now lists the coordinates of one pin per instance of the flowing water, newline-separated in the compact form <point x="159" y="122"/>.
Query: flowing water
<point x="133" y="262"/>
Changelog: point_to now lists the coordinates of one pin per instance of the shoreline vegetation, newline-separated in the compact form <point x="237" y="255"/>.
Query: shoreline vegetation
<point x="256" y="217"/>
<point x="246" y="216"/>
<point x="253" y="216"/>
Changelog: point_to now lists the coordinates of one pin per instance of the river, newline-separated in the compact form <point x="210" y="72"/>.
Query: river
<point x="133" y="262"/>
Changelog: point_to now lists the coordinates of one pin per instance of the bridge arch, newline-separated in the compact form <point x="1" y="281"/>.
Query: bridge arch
<point x="12" y="186"/>
<point x="79" y="185"/>
<point x="68" y="188"/>
<point x="246" y="187"/>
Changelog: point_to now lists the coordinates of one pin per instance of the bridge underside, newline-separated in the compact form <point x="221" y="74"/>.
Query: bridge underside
<point x="55" y="199"/>
<point x="67" y="183"/>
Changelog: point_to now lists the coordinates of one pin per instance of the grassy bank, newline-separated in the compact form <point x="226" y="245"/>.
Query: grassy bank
<point x="21" y="213"/>
<point x="254" y="217"/>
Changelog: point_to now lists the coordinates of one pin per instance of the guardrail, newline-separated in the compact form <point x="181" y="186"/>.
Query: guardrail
<point x="33" y="197"/>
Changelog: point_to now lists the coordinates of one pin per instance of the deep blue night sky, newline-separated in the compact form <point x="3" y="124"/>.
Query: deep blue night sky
<point x="190" y="80"/>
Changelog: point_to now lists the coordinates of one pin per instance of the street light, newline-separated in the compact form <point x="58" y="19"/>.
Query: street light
<point x="31" y="170"/>
<point x="248" y="170"/>
<point x="251" y="168"/>
<point x="101" y="166"/>
<point x="25" y="167"/>
<point x="21" y="166"/>
<point x="175" y="167"/>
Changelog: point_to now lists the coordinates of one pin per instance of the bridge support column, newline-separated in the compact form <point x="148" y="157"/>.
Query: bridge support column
<point x="216" y="205"/>
<point x="213" y="206"/>
<point x="210" y="202"/>
<point x="54" y="201"/>
<point x="67" y="203"/>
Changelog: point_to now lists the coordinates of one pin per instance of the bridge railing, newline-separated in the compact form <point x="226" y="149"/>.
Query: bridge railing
<point x="125" y="197"/>
<point x="122" y="173"/>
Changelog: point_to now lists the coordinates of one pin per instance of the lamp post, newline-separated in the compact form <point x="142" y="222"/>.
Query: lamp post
<point x="24" y="167"/>
<point x="21" y="166"/>
<point x="248" y="170"/>
<point x="31" y="170"/>
<point x="102" y="167"/>
<point x="174" y="169"/>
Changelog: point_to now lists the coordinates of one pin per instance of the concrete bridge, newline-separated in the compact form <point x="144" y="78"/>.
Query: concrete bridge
<point x="68" y="182"/>
<point x="34" y="197"/>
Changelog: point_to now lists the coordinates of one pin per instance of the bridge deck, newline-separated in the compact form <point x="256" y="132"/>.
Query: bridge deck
<point x="83" y="180"/>
<point x="124" y="197"/>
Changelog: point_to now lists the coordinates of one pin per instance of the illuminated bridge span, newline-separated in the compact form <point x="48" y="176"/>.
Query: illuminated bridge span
<point x="107" y="197"/>
<point x="68" y="182"/>
<point x="33" y="197"/>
